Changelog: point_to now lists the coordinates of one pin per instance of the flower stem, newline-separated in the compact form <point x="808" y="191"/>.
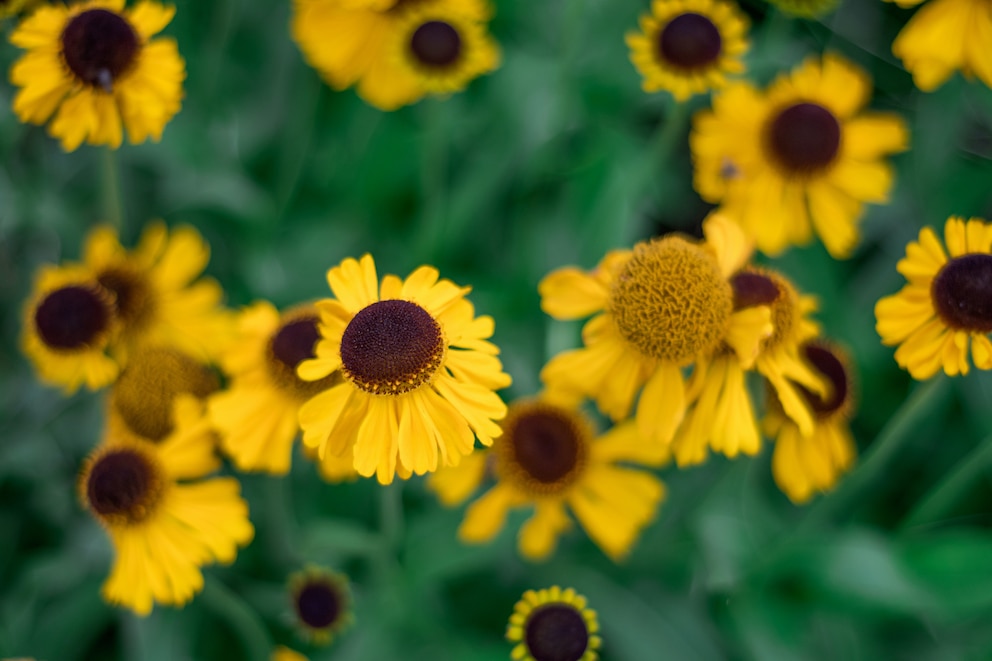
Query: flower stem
<point x="940" y="501"/>
<point x="113" y="203"/>
<point x="244" y="623"/>
<point x="433" y="182"/>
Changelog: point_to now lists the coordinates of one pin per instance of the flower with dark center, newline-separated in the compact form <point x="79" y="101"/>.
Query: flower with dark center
<point x="945" y="305"/>
<point x="544" y="448"/>
<point x="436" y="44"/>
<point x="418" y="372"/>
<point x="831" y="368"/>
<point x="553" y="625"/>
<point x="134" y="301"/>
<point x="321" y="602"/>
<point x="804" y="138"/>
<point x="124" y="485"/>
<point x="688" y="46"/>
<point x="72" y="317"/>
<point x="98" y="47"/>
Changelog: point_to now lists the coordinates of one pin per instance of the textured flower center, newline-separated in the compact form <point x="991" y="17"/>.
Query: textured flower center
<point x="556" y="632"/>
<point x="391" y="347"/>
<point x="670" y="301"/>
<point x="436" y="44"/>
<point x="296" y="341"/>
<point x="804" y="138"/>
<point x="962" y="293"/>
<point x="146" y="390"/>
<point x="99" y="46"/>
<point x="543" y="448"/>
<point x="690" y="41"/>
<point x="123" y="485"/>
<point x="133" y="299"/>
<point x="753" y="288"/>
<point x="830" y="367"/>
<point x="318" y="605"/>
<point x="71" y="317"/>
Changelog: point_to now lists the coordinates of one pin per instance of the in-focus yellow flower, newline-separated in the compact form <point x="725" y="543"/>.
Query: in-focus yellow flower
<point x="806" y="8"/>
<point x="159" y="297"/>
<point x="801" y="156"/>
<point x="419" y="373"/>
<point x="689" y="46"/>
<point x="553" y="624"/>
<point x="931" y="56"/>
<point x="96" y="68"/>
<point x="550" y="458"/>
<point x="946" y="303"/>
<point x="658" y="308"/>
<point x="805" y="464"/>
<point x="321" y="602"/>
<point x="68" y="325"/>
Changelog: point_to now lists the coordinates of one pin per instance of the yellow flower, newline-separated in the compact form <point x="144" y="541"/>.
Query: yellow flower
<point x="804" y="464"/>
<point x="689" y="46"/>
<point x="553" y="624"/>
<point x="257" y="416"/>
<point x="549" y="457"/>
<point x="802" y="156"/>
<point x="931" y="56"/>
<point x="945" y="302"/>
<point x="68" y="325"/>
<point x="159" y="297"/>
<point x="806" y="8"/>
<point x="282" y="653"/>
<point x="658" y="308"/>
<point x="419" y="373"/>
<point x="321" y="602"/>
<point x="96" y="68"/>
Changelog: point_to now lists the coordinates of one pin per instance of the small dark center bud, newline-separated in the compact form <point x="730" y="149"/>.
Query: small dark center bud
<point x="295" y="342"/>
<point x="690" y="41"/>
<point x="546" y="445"/>
<point x="556" y="632"/>
<point x="753" y="289"/>
<point x="830" y="367"/>
<point x="804" y="138"/>
<point x="71" y="317"/>
<point x="318" y="605"/>
<point x="98" y="46"/>
<point x="119" y="485"/>
<point x="962" y="293"/>
<point x="391" y="347"/>
<point x="436" y="44"/>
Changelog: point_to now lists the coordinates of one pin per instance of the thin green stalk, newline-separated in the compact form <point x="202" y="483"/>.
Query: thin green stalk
<point x="434" y="182"/>
<point x="296" y="146"/>
<point x="113" y="202"/>
<point x="281" y="530"/>
<point x="940" y="501"/>
<point x="244" y="622"/>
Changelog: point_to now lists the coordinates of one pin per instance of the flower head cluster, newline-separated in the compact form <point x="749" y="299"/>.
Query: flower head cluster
<point x="553" y="624"/>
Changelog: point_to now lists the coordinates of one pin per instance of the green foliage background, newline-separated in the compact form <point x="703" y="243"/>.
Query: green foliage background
<point x="552" y="160"/>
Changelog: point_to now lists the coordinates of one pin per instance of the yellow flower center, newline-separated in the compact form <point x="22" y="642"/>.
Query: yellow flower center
<point x="72" y="317"/>
<point x="99" y="46"/>
<point x="670" y="301"/>
<point x="803" y="138"/>
<point x="556" y="632"/>
<point x="146" y="390"/>
<point x="543" y="448"/>
<point x="962" y="293"/>
<point x="318" y="603"/>
<point x="436" y="45"/>
<point x="123" y="485"/>
<point x="293" y="342"/>
<point x="833" y="370"/>
<point x="689" y="41"/>
<point x="392" y="347"/>
<point x="133" y="298"/>
<point x="753" y="287"/>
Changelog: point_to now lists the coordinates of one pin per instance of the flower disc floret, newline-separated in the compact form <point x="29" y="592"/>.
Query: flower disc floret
<point x="753" y="287"/>
<point x="72" y="317"/>
<point x="134" y="301"/>
<point x="670" y="301"/>
<point x="123" y="485"/>
<point x="828" y="364"/>
<point x="436" y="44"/>
<point x="803" y="138"/>
<point x="543" y="448"/>
<point x="321" y="601"/>
<point x="99" y="46"/>
<point x="962" y="293"/>
<point x="553" y="625"/>
<point x="690" y="41"/>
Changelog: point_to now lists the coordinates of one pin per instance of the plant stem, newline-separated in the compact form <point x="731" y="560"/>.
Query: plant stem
<point x="113" y="203"/>
<point x="245" y="623"/>
<point x="434" y="182"/>
<point x="951" y="490"/>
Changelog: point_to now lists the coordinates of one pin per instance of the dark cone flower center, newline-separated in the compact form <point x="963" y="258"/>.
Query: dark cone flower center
<point x="546" y="444"/>
<point x="98" y="46"/>
<point x="146" y="390"/>
<point x="752" y="289"/>
<point x="830" y="367"/>
<point x="71" y="317"/>
<point x="804" y="138"/>
<point x="295" y="342"/>
<point x="123" y="485"/>
<point x="391" y="347"/>
<point x="556" y="632"/>
<point x="132" y="294"/>
<point x="436" y="44"/>
<point x="690" y="41"/>
<point x="962" y="293"/>
<point x="318" y="605"/>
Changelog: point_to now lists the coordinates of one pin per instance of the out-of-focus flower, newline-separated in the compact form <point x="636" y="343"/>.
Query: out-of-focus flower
<point x="806" y="8"/>
<point x="553" y="624"/>
<point x="321" y="602"/>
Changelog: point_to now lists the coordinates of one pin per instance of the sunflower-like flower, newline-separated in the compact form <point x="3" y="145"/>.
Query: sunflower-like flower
<point x="321" y="603"/>
<point x="553" y="624"/>
<point x="805" y="464"/>
<point x="658" y="308"/>
<point x="549" y="457"/>
<point x="930" y="56"/>
<point x="68" y="325"/>
<point x="689" y="46"/>
<point x="945" y="303"/>
<point x="419" y="373"/>
<point x="96" y="68"/>
<point x="806" y="8"/>
<point x="802" y="156"/>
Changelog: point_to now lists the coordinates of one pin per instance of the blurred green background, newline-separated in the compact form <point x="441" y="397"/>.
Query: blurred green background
<point x="552" y="160"/>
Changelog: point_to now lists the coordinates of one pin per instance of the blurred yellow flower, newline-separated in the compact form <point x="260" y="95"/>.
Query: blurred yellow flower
<point x="321" y="602"/>
<point x="553" y="624"/>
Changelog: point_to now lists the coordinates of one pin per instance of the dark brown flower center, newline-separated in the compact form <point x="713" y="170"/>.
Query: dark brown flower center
<point x="690" y="41"/>
<point x="391" y="347"/>
<point x="546" y="444"/>
<point x="123" y="486"/>
<point x="804" y="138"/>
<point x="99" y="46"/>
<point x="832" y="369"/>
<point x="318" y="605"/>
<point x="436" y="44"/>
<point x="556" y="632"/>
<point x="146" y="390"/>
<point x="753" y="289"/>
<point x="296" y="341"/>
<point x="962" y="293"/>
<point x="133" y="298"/>
<point x="71" y="317"/>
